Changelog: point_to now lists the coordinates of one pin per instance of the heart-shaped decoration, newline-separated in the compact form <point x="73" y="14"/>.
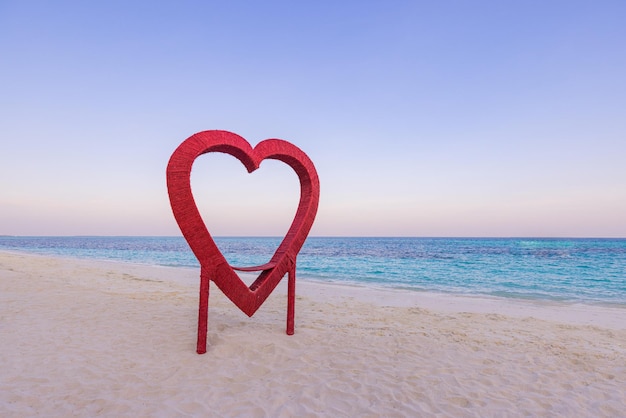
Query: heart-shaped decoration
<point x="213" y="265"/>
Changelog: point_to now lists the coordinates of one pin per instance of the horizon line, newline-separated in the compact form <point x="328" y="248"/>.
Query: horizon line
<point x="322" y="236"/>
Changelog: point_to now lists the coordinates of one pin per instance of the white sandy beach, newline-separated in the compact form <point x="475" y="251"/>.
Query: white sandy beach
<point x="84" y="338"/>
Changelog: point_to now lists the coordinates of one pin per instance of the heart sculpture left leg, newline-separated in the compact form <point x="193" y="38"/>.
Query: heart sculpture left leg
<point x="291" y="299"/>
<point x="203" y="313"/>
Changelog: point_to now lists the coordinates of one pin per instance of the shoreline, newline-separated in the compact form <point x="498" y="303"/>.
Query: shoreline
<point x="574" y="313"/>
<point x="89" y="338"/>
<point x="588" y="272"/>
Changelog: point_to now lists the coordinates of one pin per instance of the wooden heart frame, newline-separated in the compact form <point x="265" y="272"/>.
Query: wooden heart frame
<point x="213" y="265"/>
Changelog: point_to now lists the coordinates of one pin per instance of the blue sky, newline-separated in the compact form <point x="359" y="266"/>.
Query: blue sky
<point x="447" y="118"/>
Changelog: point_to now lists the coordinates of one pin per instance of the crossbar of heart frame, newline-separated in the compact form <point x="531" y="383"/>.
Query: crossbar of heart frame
<point x="262" y="267"/>
<point x="213" y="265"/>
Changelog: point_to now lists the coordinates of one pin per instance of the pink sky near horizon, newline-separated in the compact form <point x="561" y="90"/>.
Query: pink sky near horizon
<point x="422" y="119"/>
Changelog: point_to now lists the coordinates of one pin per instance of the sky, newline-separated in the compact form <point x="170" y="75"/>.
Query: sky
<point x="423" y="118"/>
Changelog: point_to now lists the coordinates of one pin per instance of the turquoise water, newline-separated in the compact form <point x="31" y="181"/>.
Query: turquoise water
<point x="571" y="270"/>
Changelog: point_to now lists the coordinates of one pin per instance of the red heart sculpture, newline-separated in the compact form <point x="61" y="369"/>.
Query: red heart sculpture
<point x="213" y="265"/>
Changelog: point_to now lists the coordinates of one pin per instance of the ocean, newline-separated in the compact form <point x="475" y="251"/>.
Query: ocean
<point x="590" y="271"/>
